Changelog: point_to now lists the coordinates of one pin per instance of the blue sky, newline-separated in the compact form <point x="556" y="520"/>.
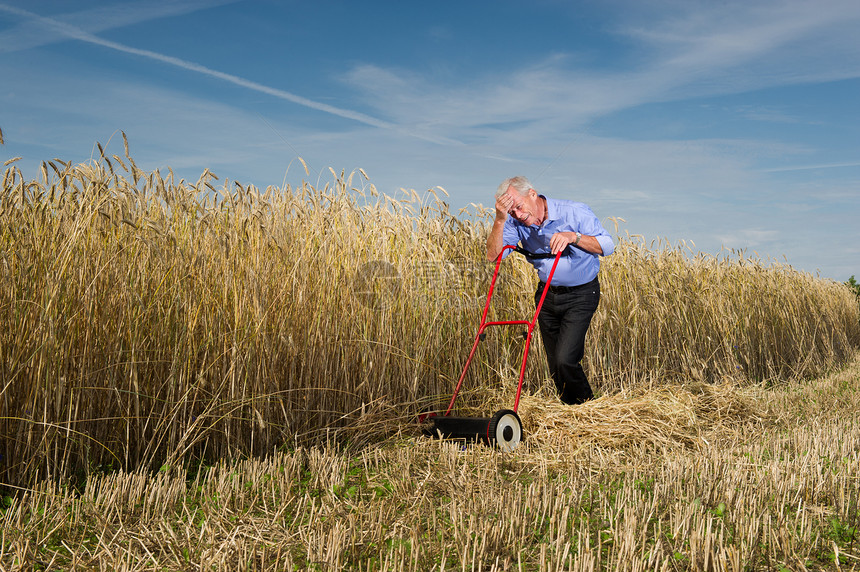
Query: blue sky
<point x="723" y="124"/>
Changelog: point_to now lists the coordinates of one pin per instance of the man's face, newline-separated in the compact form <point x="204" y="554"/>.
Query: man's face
<point x="525" y="209"/>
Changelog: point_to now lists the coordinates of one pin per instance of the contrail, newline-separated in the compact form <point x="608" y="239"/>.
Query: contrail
<point x="79" y="34"/>
<point x="811" y="167"/>
<point x="28" y="34"/>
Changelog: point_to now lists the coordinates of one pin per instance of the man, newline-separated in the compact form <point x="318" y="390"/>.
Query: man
<point x="543" y="225"/>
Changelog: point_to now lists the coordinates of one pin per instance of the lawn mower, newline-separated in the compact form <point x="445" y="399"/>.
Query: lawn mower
<point x="503" y="429"/>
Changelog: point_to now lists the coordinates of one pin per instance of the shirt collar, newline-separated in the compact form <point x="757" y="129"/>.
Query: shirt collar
<point x="551" y="210"/>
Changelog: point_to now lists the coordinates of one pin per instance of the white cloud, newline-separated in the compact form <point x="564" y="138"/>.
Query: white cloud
<point x="702" y="49"/>
<point x="750" y="238"/>
<point x="732" y="46"/>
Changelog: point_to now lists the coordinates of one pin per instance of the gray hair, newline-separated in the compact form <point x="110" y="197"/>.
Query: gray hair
<point x="519" y="183"/>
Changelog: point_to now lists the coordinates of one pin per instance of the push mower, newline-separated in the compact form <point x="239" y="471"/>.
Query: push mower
<point x="503" y="429"/>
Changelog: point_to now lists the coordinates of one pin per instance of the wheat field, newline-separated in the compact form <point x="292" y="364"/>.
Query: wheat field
<point x="208" y="375"/>
<point x="709" y="477"/>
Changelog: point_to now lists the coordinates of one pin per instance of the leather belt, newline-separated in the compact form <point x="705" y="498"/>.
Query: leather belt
<point x="566" y="289"/>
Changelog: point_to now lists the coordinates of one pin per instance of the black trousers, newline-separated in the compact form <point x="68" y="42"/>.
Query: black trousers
<point x="563" y="321"/>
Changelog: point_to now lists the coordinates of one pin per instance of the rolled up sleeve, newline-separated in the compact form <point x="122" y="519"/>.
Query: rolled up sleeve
<point x="606" y="243"/>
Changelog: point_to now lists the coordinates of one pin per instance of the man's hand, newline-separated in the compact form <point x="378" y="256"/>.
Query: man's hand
<point x="560" y="240"/>
<point x="504" y="204"/>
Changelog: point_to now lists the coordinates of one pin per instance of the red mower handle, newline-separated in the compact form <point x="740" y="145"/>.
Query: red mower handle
<point x="529" y="323"/>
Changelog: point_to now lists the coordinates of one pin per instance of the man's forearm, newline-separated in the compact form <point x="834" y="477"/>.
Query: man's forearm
<point x="496" y="239"/>
<point x="590" y="244"/>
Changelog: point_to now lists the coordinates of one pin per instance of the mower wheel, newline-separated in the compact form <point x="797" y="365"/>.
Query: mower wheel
<point x="505" y="430"/>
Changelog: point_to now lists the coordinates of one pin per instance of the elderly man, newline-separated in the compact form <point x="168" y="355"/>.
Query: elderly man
<point x="542" y="225"/>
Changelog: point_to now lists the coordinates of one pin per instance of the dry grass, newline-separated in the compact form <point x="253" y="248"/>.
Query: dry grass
<point x="158" y="324"/>
<point x="728" y="479"/>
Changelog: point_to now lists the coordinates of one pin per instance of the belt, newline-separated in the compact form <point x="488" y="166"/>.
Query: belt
<point x="566" y="289"/>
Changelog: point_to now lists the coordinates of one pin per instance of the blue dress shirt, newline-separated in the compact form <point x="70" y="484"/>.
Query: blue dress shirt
<point x="576" y="266"/>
